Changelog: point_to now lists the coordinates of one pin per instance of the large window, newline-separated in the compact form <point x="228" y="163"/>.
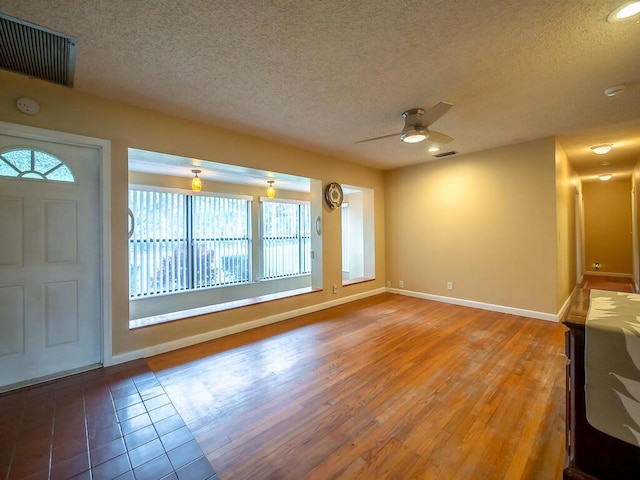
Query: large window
<point x="286" y="239"/>
<point x="182" y="242"/>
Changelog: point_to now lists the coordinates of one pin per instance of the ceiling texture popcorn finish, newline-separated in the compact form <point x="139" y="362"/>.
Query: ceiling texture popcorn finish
<point x="323" y="75"/>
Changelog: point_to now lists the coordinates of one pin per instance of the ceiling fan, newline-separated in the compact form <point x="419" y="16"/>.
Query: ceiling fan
<point x="416" y="125"/>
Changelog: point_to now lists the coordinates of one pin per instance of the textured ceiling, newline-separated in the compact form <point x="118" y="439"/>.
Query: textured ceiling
<point x="323" y="74"/>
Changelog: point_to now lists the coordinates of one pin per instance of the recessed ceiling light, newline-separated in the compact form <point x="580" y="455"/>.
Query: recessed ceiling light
<point x="624" y="12"/>
<point x="602" y="149"/>
<point x="605" y="176"/>
<point x="615" y="90"/>
<point x="434" y="149"/>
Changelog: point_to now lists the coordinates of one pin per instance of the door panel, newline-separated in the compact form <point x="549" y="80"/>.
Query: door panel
<point x="50" y="320"/>
<point x="12" y="320"/>
<point x="61" y="313"/>
<point x="11" y="231"/>
<point x="61" y="231"/>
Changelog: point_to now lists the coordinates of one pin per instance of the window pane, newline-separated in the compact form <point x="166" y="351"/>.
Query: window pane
<point x="184" y="242"/>
<point x="285" y="239"/>
<point x="158" y="252"/>
<point x="61" y="174"/>
<point x="17" y="163"/>
<point x="221" y="243"/>
<point x="43" y="162"/>
<point x="6" y="170"/>
<point x="21" y="159"/>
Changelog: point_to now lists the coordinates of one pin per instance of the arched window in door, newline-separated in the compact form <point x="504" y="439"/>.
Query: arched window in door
<point x="29" y="163"/>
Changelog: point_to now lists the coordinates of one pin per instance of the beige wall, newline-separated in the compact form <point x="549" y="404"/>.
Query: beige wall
<point x="635" y="184"/>
<point x="68" y="110"/>
<point x="484" y="221"/>
<point x="567" y="193"/>
<point x="607" y="226"/>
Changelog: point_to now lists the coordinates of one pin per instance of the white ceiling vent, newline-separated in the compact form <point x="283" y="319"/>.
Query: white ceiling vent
<point x="36" y="51"/>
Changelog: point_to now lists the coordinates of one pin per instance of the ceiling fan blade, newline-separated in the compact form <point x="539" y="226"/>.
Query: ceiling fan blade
<point x="434" y="113"/>
<point x="379" y="138"/>
<point x="437" y="137"/>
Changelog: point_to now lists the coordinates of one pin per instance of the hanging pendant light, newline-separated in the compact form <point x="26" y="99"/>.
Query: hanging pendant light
<point x="271" y="192"/>
<point x="196" y="183"/>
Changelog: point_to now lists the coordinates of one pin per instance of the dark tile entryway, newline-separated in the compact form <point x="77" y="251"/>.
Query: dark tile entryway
<point x="109" y="423"/>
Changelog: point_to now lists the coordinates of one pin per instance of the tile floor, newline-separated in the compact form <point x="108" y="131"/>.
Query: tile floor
<point x="109" y="423"/>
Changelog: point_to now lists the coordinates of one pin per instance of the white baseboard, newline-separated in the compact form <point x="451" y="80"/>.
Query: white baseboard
<point x="567" y="304"/>
<point x="550" y="317"/>
<point x="222" y="332"/>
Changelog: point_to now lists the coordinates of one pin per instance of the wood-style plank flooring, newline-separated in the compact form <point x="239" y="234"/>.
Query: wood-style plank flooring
<point x="386" y="387"/>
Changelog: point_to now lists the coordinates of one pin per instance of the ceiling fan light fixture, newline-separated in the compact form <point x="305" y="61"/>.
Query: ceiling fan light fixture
<point x="605" y="176"/>
<point x="624" y="12"/>
<point x="602" y="149"/>
<point x="414" y="134"/>
<point x="413" y="137"/>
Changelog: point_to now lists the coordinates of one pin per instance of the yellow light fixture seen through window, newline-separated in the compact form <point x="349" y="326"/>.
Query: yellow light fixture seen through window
<point x="196" y="183"/>
<point x="271" y="192"/>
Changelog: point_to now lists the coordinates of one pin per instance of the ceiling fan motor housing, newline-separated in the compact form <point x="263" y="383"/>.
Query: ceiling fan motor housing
<point x="412" y="125"/>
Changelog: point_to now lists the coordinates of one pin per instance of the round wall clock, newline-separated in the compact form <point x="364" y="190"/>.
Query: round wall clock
<point x="333" y="195"/>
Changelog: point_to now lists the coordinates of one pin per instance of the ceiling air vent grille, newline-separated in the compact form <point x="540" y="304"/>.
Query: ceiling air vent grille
<point x="445" y="154"/>
<point x="36" y="51"/>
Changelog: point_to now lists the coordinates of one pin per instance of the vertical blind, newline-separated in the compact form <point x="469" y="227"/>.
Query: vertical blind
<point x="158" y="247"/>
<point x="286" y="244"/>
<point x="182" y="242"/>
<point x="221" y="243"/>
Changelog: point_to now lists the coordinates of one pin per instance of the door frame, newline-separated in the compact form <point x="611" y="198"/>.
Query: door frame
<point x="579" y="225"/>
<point x="104" y="153"/>
<point x="634" y="236"/>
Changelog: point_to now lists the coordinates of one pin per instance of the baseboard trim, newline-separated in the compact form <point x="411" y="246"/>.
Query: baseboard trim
<point x="549" y="317"/>
<point x="567" y="303"/>
<point x="241" y="327"/>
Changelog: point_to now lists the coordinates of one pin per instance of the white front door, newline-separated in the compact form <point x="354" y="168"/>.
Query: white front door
<point x="50" y="299"/>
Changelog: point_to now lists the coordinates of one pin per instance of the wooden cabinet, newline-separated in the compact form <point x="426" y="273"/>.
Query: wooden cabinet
<point x="591" y="453"/>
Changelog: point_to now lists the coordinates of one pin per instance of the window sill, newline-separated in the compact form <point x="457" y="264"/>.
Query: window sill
<point x="353" y="281"/>
<point x="219" y="307"/>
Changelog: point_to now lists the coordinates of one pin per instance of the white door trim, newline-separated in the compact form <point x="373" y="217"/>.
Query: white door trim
<point x="104" y="148"/>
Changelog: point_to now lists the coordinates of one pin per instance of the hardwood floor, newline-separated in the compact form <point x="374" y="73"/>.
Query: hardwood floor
<point x="386" y="387"/>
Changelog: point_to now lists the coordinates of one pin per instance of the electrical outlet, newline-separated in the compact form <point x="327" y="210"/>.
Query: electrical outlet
<point x="401" y="283"/>
<point x="335" y="288"/>
<point x="388" y="284"/>
<point x="449" y="285"/>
